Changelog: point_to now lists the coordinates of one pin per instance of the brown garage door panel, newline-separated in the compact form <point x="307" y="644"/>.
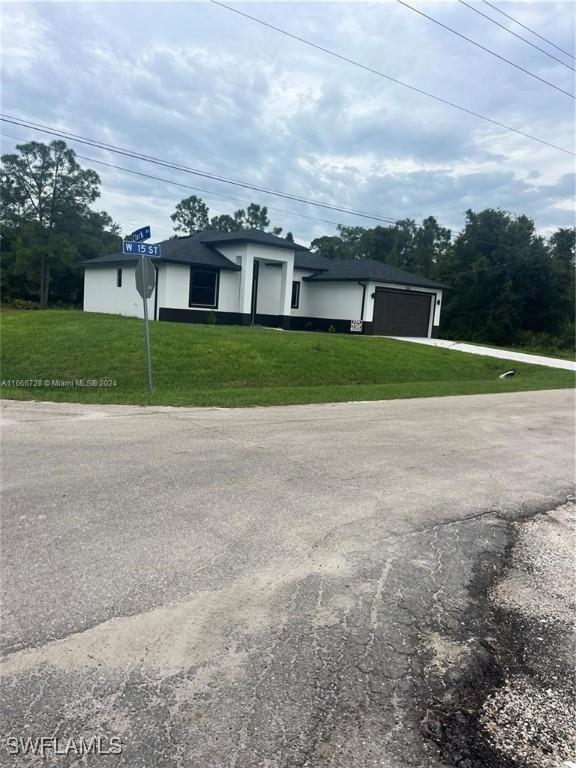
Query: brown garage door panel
<point x="401" y="313"/>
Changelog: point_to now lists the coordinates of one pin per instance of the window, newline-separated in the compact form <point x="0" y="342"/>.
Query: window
<point x="203" y="287"/>
<point x="295" y="294"/>
<point x="118" y="278"/>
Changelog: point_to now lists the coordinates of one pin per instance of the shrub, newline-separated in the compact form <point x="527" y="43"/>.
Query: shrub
<point x="20" y="304"/>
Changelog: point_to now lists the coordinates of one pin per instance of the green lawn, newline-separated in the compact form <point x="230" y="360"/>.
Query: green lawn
<point x="234" y="366"/>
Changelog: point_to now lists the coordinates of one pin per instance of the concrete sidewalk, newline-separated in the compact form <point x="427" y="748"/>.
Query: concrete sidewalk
<point x="502" y="354"/>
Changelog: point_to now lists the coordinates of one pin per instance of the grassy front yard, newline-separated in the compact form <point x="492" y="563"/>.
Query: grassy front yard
<point x="234" y="366"/>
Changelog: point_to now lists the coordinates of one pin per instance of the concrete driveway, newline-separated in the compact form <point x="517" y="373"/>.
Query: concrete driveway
<point x="261" y="587"/>
<point x="501" y="354"/>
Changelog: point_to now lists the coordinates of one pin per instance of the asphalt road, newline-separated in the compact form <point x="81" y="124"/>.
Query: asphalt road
<point x="257" y="587"/>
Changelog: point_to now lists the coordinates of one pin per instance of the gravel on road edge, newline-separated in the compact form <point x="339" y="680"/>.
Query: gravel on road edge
<point x="505" y="696"/>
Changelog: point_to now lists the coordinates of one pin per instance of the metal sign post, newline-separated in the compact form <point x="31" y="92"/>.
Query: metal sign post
<point x="148" y="353"/>
<point x="145" y="284"/>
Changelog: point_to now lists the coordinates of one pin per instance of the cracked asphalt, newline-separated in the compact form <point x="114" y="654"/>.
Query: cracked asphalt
<point x="265" y="587"/>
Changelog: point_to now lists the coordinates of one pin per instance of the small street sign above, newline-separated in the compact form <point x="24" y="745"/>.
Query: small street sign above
<point x="145" y="277"/>
<point x="140" y="249"/>
<point x="141" y="234"/>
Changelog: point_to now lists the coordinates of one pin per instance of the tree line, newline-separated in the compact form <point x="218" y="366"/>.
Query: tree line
<point x="506" y="284"/>
<point x="47" y="223"/>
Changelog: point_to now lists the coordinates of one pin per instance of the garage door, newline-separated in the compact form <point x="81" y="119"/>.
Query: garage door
<point x="401" y="313"/>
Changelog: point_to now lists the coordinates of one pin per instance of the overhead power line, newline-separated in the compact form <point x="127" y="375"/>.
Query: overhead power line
<point x="511" y="32"/>
<point x="529" y="29"/>
<point x="391" y="79"/>
<point x="487" y="50"/>
<point x="453" y="234"/>
<point x="185" y="169"/>
<point x="187" y="186"/>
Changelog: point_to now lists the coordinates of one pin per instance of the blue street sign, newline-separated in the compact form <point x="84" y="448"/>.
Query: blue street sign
<point x="141" y="234"/>
<point x="140" y="249"/>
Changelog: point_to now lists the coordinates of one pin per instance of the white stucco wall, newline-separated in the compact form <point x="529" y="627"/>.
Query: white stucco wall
<point x="174" y="288"/>
<point x="331" y="299"/>
<point x="305" y="291"/>
<point x="101" y="293"/>
<point x="334" y="300"/>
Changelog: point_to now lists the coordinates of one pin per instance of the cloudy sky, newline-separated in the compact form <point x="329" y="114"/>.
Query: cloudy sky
<point x="192" y="83"/>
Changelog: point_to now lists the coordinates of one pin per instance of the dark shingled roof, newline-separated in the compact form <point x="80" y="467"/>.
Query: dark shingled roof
<point x="181" y="250"/>
<point x="202" y="248"/>
<point x="307" y="260"/>
<point x="248" y="236"/>
<point x="370" y="269"/>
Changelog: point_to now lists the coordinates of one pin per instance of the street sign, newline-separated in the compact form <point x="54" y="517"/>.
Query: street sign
<point x="145" y="277"/>
<point x="140" y="249"/>
<point x="141" y="234"/>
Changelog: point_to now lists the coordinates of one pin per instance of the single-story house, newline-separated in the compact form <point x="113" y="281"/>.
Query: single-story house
<point x="252" y="277"/>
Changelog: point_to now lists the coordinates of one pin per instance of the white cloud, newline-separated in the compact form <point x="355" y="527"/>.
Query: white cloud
<point x="26" y="42"/>
<point x="196" y="85"/>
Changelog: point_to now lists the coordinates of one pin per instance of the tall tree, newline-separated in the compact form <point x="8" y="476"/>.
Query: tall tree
<point x="562" y="254"/>
<point x="431" y="242"/>
<point x="328" y="246"/>
<point x="191" y="215"/>
<point x="257" y="217"/>
<point x="45" y="194"/>
<point x="505" y="282"/>
<point x="223" y="223"/>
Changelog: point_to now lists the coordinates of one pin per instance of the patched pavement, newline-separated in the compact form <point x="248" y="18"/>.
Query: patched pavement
<point x="280" y="587"/>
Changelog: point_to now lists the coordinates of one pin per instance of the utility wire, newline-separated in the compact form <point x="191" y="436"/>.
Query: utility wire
<point x="453" y="234"/>
<point x="366" y="68"/>
<point x="529" y="29"/>
<point x="198" y="189"/>
<point x="186" y="186"/>
<point x="511" y="32"/>
<point x="185" y="169"/>
<point x="484" y="48"/>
